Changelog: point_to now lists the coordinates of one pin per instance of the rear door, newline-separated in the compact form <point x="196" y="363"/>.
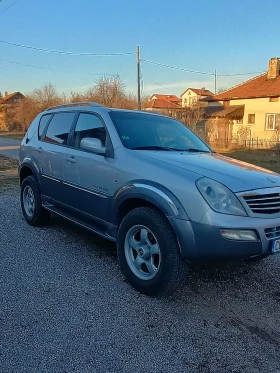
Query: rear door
<point x="53" y="150"/>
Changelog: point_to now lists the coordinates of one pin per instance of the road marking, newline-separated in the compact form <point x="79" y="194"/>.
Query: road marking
<point x="9" y="147"/>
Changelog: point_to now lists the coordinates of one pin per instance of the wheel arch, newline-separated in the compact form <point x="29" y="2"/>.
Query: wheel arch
<point x="139" y="194"/>
<point x="28" y="168"/>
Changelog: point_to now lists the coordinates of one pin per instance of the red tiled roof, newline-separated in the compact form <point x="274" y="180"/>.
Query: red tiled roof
<point x="171" y="98"/>
<point x="256" y="87"/>
<point x="199" y="92"/>
<point x="161" y="104"/>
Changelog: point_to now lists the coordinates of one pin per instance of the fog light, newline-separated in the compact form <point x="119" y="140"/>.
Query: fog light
<point x="239" y="235"/>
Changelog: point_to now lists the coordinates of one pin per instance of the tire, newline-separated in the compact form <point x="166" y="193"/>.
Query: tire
<point x="31" y="204"/>
<point x="149" y="254"/>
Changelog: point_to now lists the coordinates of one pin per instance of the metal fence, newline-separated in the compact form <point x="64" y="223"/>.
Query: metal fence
<point x="248" y="144"/>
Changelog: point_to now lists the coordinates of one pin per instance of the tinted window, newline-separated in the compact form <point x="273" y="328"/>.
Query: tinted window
<point x="59" y="128"/>
<point x="42" y="125"/>
<point x="89" y="125"/>
<point x="149" y="130"/>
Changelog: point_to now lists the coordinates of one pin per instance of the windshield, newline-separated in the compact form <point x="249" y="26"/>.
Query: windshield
<point x="155" y="132"/>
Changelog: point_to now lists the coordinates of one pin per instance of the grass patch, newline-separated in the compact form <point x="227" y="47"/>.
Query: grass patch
<point x="8" y="165"/>
<point x="7" y="182"/>
<point x="263" y="158"/>
<point x="8" y="173"/>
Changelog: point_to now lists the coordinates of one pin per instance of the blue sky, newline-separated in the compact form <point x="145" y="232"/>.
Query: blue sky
<point x="231" y="36"/>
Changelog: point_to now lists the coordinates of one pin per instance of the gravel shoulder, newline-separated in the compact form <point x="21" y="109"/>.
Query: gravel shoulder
<point x="65" y="307"/>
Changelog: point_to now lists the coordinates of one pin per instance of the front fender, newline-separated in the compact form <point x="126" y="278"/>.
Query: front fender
<point x="151" y="192"/>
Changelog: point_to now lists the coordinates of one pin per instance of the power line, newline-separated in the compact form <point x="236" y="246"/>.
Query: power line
<point x="67" y="53"/>
<point x="4" y="11"/>
<point x="198" y="72"/>
<point x="252" y="73"/>
<point x="51" y="69"/>
<point x="176" y="68"/>
<point x="157" y="83"/>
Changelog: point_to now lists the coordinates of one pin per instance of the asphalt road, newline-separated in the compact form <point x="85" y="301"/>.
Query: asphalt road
<point x="65" y="307"/>
<point x="9" y="147"/>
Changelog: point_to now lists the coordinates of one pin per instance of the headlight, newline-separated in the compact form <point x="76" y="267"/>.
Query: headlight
<point x="219" y="197"/>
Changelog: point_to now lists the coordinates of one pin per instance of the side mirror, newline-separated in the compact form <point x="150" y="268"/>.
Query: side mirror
<point x="92" y="145"/>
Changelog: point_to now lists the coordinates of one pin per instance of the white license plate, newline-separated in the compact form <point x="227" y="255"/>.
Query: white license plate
<point x="276" y="247"/>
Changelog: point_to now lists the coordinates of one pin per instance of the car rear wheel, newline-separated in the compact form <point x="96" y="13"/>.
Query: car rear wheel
<point x="149" y="254"/>
<point x="31" y="204"/>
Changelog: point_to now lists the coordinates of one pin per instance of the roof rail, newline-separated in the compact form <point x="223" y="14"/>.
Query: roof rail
<point x="71" y="104"/>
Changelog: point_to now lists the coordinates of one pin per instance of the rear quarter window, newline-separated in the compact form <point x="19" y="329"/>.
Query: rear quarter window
<point x="43" y="124"/>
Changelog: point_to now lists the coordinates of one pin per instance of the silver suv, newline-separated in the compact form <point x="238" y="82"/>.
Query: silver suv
<point x="148" y="183"/>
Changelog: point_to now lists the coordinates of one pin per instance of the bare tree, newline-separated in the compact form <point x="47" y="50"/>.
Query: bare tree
<point x="192" y="115"/>
<point x="45" y="96"/>
<point x="109" y="92"/>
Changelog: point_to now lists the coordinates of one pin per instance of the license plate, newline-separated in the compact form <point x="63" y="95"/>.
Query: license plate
<point x="276" y="247"/>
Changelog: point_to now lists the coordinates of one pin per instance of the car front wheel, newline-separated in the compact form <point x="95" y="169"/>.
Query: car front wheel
<point x="149" y="254"/>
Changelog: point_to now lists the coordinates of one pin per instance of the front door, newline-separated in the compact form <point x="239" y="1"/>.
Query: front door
<point x="88" y="177"/>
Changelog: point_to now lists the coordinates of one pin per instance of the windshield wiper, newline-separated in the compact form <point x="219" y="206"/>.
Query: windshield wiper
<point x="195" y="150"/>
<point x="155" y="147"/>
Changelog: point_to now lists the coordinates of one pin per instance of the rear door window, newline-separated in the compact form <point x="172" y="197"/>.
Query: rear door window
<point x="59" y="128"/>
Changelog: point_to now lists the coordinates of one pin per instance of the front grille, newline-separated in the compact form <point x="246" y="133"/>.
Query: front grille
<point x="271" y="233"/>
<point x="264" y="203"/>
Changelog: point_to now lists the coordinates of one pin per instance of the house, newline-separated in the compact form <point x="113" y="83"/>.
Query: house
<point x="8" y="107"/>
<point x="192" y="96"/>
<point x="170" y="98"/>
<point x="259" y="98"/>
<point x="164" y="104"/>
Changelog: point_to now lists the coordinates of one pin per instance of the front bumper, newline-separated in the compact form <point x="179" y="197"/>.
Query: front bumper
<point x="201" y="242"/>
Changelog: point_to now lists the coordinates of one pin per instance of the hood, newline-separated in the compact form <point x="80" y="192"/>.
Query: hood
<point x="236" y="175"/>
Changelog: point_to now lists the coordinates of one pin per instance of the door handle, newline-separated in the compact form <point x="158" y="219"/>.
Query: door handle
<point x="39" y="150"/>
<point x="71" y="159"/>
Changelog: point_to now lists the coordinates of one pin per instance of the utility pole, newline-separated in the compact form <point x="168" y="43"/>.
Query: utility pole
<point x="138" y="77"/>
<point x="215" y="81"/>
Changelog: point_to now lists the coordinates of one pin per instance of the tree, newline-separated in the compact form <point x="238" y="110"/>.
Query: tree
<point x="192" y="115"/>
<point x="45" y="96"/>
<point x="37" y="101"/>
<point x="109" y="92"/>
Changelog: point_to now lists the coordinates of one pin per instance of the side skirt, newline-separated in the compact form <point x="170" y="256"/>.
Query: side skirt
<point x="109" y="231"/>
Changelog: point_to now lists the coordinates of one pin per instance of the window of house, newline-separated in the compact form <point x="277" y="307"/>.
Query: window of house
<point x="59" y="128"/>
<point x="273" y="99"/>
<point x="42" y="125"/>
<point x="89" y="125"/>
<point x="185" y="100"/>
<point x="251" y="118"/>
<point x="16" y="100"/>
<point x="194" y="100"/>
<point x="272" y="121"/>
<point x="239" y="121"/>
